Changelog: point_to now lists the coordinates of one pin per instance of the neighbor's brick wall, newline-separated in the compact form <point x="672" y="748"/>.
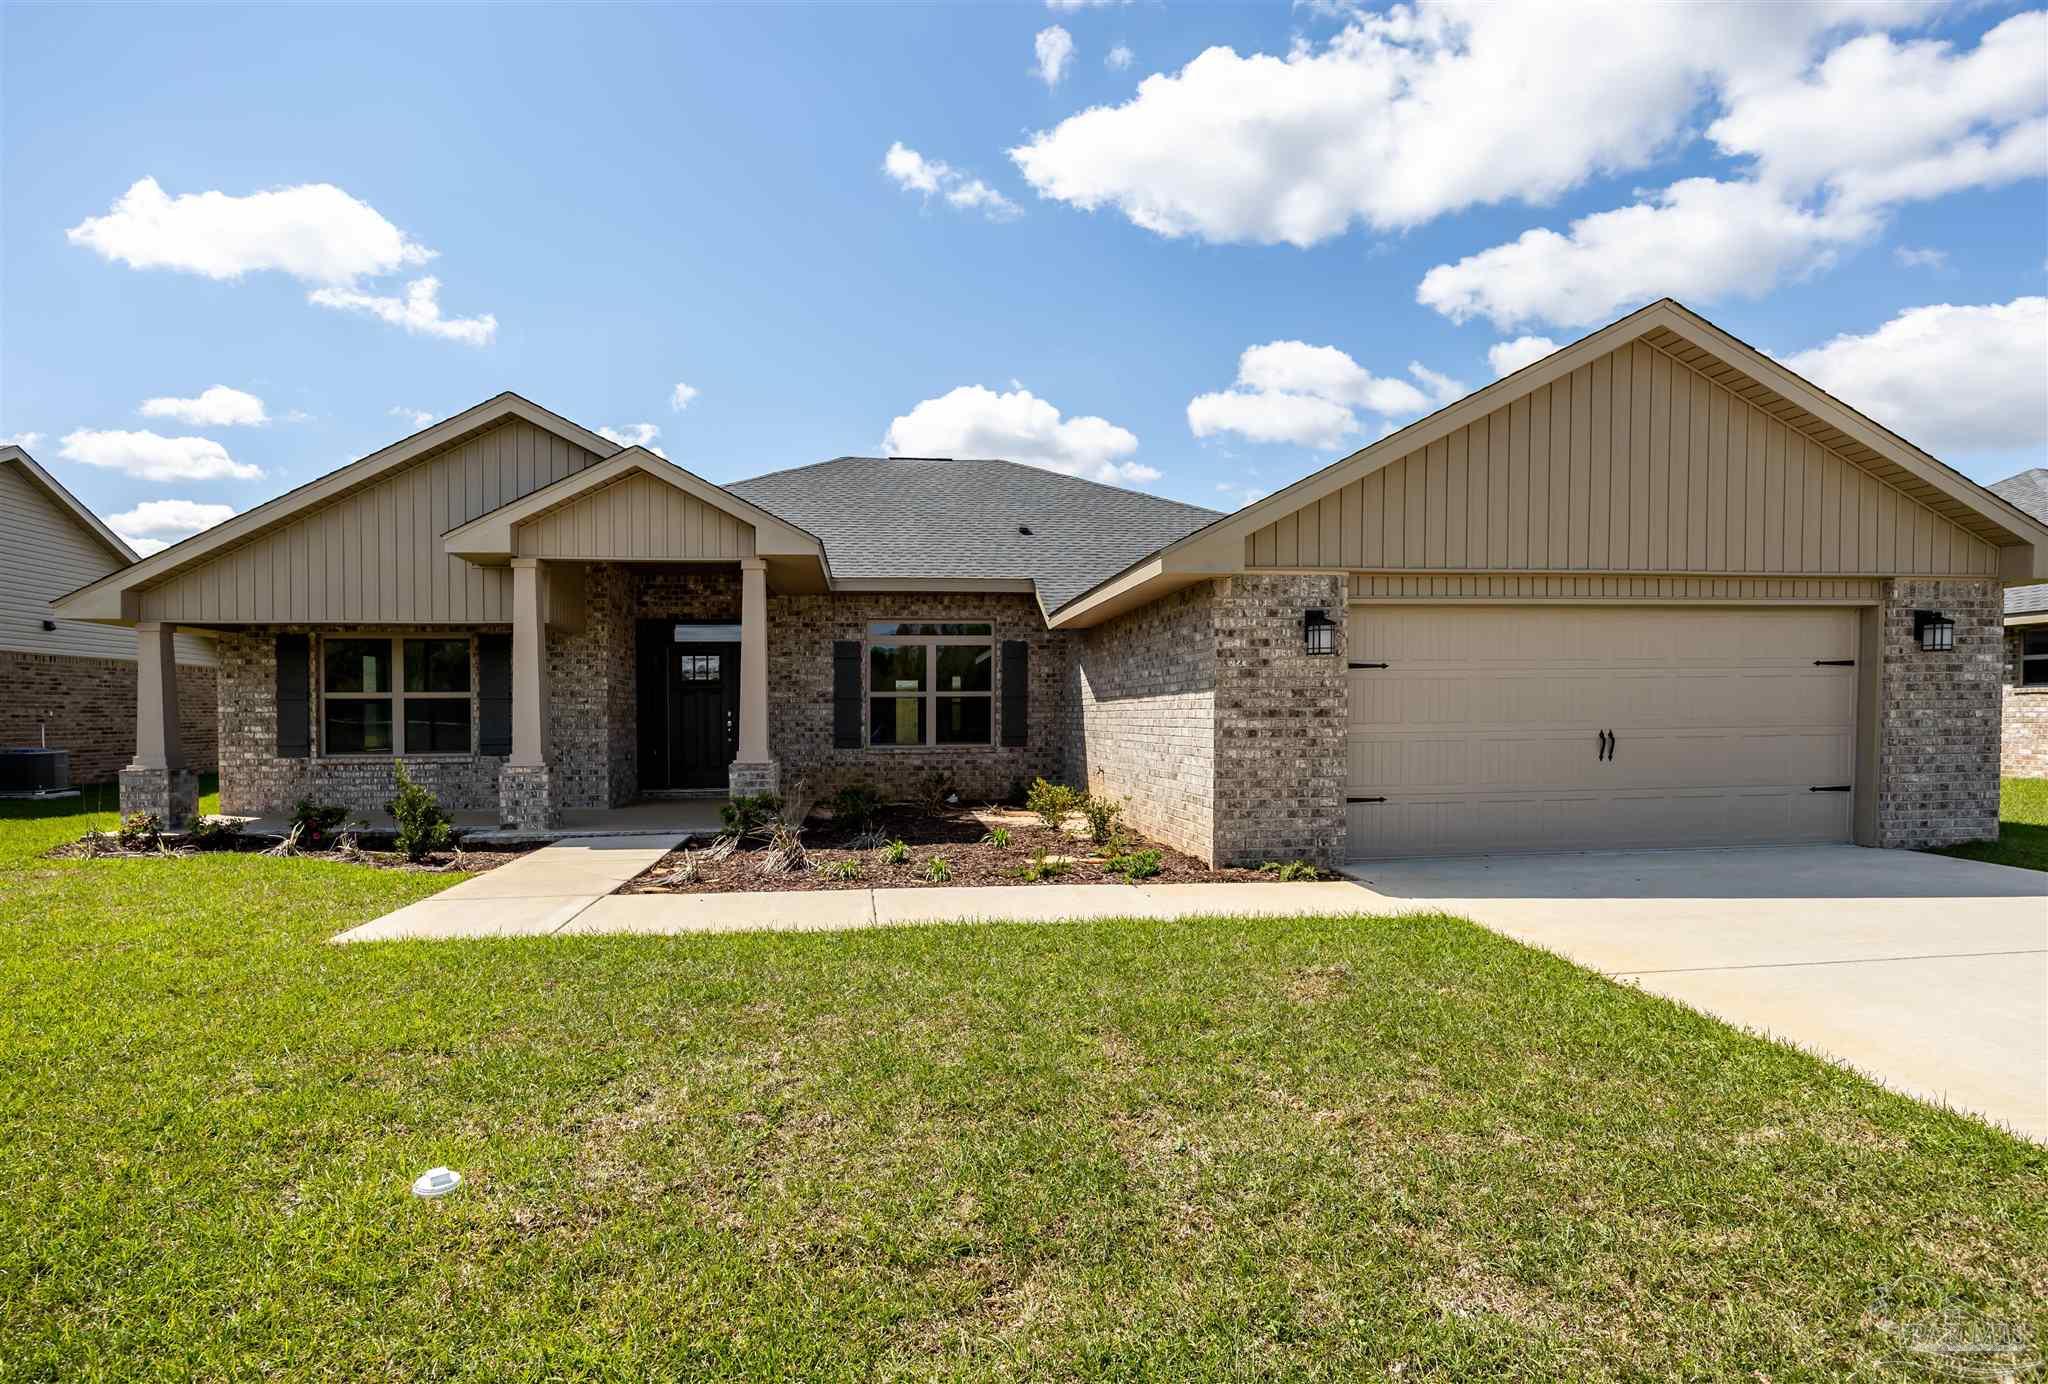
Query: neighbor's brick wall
<point x="1281" y="718"/>
<point x="1141" y="722"/>
<point x="2023" y="749"/>
<point x="87" y="706"/>
<point x="1938" y="716"/>
<point x="253" y="779"/>
<point x="801" y="630"/>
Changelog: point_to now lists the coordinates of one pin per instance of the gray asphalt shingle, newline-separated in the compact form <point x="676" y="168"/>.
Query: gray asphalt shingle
<point x="2028" y="491"/>
<point x="911" y="517"/>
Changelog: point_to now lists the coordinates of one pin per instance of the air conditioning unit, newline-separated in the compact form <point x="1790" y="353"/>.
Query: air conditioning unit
<point x="35" y="771"/>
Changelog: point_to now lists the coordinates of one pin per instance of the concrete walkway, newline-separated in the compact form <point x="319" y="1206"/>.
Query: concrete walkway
<point x="1926" y="973"/>
<point x="536" y="894"/>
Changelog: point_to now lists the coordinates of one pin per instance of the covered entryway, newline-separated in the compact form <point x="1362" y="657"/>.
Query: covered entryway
<point x="1480" y="729"/>
<point x="689" y="705"/>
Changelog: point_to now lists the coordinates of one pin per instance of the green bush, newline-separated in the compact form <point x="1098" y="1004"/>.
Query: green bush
<point x="937" y="870"/>
<point x="998" y="837"/>
<point x="1041" y="867"/>
<point x="423" y="827"/>
<point x="1134" y="865"/>
<point x="933" y="790"/>
<point x="749" y="814"/>
<point x="317" y="823"/>
<point x="1101" y="813"/>
<point x="856" y="805"/>
<point x="896" y="852"/>
<point x="1290" y="871"/>
<point x="1051" y="802"/>
<point x="215" y="833"/>
<point x="846" y="868"/>
<point x="141" y="831"/>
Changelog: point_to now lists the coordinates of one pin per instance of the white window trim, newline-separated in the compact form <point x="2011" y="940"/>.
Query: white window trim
<point x="397" y="696"/>
<point x="929" y="695"/>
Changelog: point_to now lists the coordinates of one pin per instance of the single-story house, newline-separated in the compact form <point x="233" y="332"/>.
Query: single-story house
<point x="2024" y="750"/>
<point x="67" y="684"/>
<point x="1653" y="590"/>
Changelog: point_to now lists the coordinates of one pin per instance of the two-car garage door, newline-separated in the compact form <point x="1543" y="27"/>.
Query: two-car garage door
<point x="1519" y="728"/>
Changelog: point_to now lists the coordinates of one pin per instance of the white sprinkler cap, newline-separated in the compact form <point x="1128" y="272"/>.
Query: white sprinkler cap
<point x="436" y="1182"/>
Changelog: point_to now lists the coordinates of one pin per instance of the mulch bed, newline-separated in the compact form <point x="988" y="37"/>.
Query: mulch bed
<point x="959" y="835"/>
<point x="177" y="846"/>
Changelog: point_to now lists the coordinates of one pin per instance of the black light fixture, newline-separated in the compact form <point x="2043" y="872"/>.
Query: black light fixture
<point x="1935" y="631"/>
<point x="1318" y="633"/>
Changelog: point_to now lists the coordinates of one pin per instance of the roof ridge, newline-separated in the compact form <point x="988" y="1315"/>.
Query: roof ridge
<point x="990" y="461"/>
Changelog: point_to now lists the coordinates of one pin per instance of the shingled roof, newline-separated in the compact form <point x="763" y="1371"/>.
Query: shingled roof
<point x="935" y="517"/>
<point x="2027" y="491"/>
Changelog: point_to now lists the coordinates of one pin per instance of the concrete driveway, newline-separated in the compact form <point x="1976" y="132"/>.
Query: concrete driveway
<point x="1925" y="973"/>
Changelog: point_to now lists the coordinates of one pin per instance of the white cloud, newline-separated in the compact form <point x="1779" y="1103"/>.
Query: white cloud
<point x="680" y="397"/>
<point x="1506" y="357"/>
<point x="1238" y="496"/>
<point x="150" y="457"/>
<point x="1119" y="57"/>
<point x="1951" y="379"/>
<point x="634" y="435"/>
<point x="913" y="172"/>
<point x="973" y="421"/>
<point x="1698" y="239"/>
<point x="314" y="231"/>
<point x="1405" y="116"/>
<point x="143" y="547"/>
<point x="1309" y="396"/>
<point x="1910" y="257"/>
<point x="1053" y="47"/>
<point x="218" y="407"/>
<point x="419" y="311"/>
<point x="165" y="521"/>
<point x="24" y="440"/>
<point x="418" y="417"/>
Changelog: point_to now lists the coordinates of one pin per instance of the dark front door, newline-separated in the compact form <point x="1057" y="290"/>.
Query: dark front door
<point x="704" y="714"/>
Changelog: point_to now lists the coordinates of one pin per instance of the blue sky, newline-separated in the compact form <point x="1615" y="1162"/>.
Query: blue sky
<point x="1205" y="285"/>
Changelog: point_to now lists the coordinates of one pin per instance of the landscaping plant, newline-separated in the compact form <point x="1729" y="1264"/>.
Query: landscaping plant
<point x="1051" y="802"/>
<point x="1133" y="865"/>
<point x="1101" y="812"/>
<point x="1290" y="871"/>
<point x="141" y="831"/>
<point x="750" y="814"/>
<point x="423" y="827"/>
<point x="856" y="806"/>
<point x="1041" y="867"/>
<point x="846" y="868"/>
<point x="314" y="823"/>
<point x="896" y="852"/>
<point x="937" y="870"/>
<point x="998" y="837"/>
<point x="214" y="834"/>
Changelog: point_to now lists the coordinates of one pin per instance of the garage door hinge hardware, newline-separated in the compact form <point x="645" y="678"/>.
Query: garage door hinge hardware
<point x="1365" y="800"/>
<point x="1832" y="788"/>
<point x="1834" y="663"/>
<point x="1368" y="665"/>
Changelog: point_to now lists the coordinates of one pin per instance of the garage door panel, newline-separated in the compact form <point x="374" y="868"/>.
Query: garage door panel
<point x="1482" y="733"/>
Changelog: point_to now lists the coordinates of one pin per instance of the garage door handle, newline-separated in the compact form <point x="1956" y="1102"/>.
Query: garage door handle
<point x="1365" y="800"/>
<point x="1368" y="665"/>
<point x="1606" y="744"/>
<point x="1834" y="663"/>
<point x="1833" y="788"/>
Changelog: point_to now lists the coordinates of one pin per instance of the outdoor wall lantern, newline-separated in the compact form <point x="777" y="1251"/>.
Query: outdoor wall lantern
<point x="1935" y="631"/>
<point x="1318" y="633"/>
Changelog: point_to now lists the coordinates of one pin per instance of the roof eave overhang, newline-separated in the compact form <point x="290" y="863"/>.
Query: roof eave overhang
<point x="1162" y="574"/>
<point x="68" y="502"/>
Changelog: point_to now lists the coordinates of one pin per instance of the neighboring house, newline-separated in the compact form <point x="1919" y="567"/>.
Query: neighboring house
<point x="1654" y="590"/>
<point x="65" y="683"/>
<point x="2025" y="750"/>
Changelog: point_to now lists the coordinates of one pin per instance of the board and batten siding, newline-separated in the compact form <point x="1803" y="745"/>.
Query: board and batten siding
<point x="375" y="555"/>
<point x="46" y="552"/>
<point x="1631" y="463"/>
<point x="636" y="517"/>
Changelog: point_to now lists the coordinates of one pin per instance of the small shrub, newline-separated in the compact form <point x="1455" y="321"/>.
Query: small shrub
<point x="896" y="852"/>
<point x="1133" y="865"/>
<point x="750" y="814"/>
<point x="423" y="827"/>
<point x="215" y="833"/>
<point x="1290" y="871"/>
<point x="1051" y="802"/>
<point x="1041" y="867"/>
<point x="935" y="792"/>
<point x="855" y="806"/>
<point x="1101" y="813"/>
<point x="937" y="870"/>
<point x="845" y="868"/>
<point x="141" y="831"/>
<point x="999" y="837"/>
<point x="316" y="823"/>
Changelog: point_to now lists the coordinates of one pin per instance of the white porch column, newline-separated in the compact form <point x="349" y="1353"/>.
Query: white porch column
<point x="529" y="665"/>
<point x="156" y="698"/>
<point x="753" y="771"/>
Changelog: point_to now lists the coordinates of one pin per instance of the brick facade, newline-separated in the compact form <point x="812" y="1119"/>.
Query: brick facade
<point x="2023" y="744"/>
<point x="1938" y="716"/>
<point x="87" y="706"/>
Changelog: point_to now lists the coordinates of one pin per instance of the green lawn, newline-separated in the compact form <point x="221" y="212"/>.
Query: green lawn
<point x="1310" y="1148"/>
<point x="2022" y="827"/>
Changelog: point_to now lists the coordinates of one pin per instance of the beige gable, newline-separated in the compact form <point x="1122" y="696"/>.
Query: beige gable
<point x="1633" y="462"/>
<point x="636" y="517"/>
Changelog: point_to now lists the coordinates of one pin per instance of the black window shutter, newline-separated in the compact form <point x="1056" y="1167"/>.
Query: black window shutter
<point x="294" y="696"/>
<point x="654" y="639"/>
<point x="494" y="694"/>
<point x="846" y="694"/>
<point x="1016" y="692"/>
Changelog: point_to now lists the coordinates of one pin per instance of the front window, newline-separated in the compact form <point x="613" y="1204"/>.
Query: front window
<point x="931" y="683"/>
<point x="366" y="710"/>
<point x="2034" y="658"/>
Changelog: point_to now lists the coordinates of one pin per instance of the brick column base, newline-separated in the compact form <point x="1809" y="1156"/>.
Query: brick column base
<point x="747" y="779"/>
<point x="170" y="795"/>
<point x="526" y="798"/>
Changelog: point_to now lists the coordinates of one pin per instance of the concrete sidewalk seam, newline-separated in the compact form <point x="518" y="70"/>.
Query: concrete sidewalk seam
<point x="1836" y="961"/>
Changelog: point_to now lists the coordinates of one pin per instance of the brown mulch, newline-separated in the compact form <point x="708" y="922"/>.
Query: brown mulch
<point x="960" y="835"/>
<point x="441" y="862"/>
